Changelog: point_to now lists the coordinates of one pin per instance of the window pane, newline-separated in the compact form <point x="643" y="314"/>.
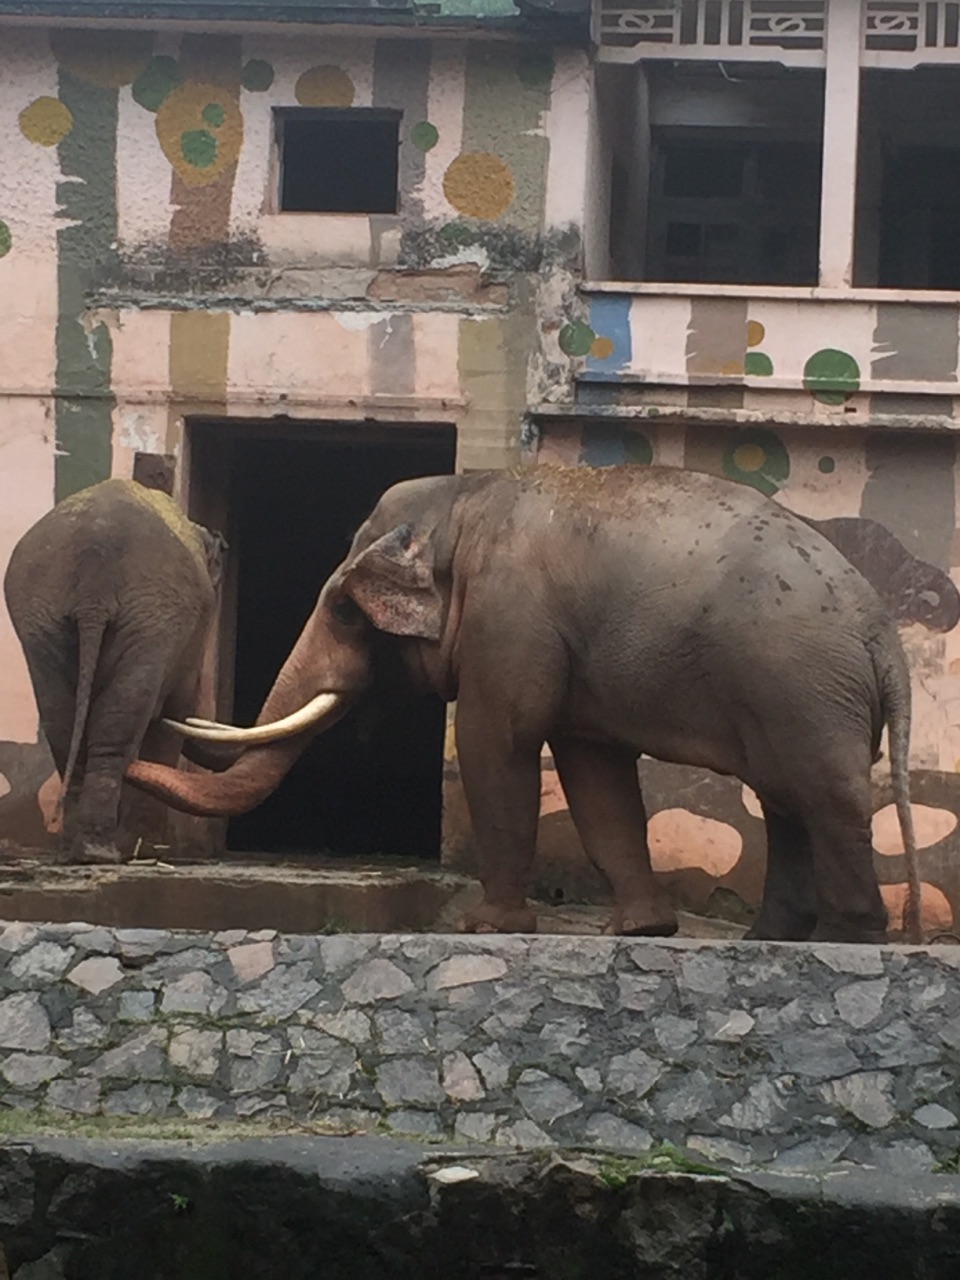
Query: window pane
<point x="908" y="189"/>
<point x="339" y="163"/>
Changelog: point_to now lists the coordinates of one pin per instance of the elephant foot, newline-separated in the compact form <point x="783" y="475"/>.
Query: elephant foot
<point x="643" y="920"/>
<point x="488" y="918"/>
<point x="844" y="932"/>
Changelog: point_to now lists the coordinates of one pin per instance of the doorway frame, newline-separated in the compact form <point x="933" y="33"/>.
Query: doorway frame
<point x="204" y="490"/>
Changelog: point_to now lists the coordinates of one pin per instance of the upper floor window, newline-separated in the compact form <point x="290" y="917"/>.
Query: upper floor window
<point x="715" y="173"/>
<point x="336" y="160"/>
<point x="908" y="197"/>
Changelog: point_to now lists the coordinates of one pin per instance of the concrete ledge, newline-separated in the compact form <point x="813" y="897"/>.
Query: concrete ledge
<point x="369" y="1209"/>
<point x="787" y="1056"/>
<point x="302" y="895"/>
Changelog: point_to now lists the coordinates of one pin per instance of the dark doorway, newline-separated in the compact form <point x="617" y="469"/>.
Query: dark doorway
<point x="362" y="788"/>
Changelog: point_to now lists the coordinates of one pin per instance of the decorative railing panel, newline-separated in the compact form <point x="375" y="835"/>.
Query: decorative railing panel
<point x="697" y="28"/>
<point x="922" y="27"/>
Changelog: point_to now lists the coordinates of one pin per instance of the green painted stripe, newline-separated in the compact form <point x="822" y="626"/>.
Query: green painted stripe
<point x="87" y="197"/>
<point x="507" y="91"/>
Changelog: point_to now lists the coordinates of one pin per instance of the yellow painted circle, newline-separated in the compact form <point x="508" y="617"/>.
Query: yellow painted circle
<point x="749" y="457"/>
<point x="755" y="333"/>
<point x="46" y="122"/>
<point x="325" y="87"/>
<point x="602" y="348"/>
<point x="109" y="59"/>
<point x="200" y="128"/>
<point x="479" y="185"/>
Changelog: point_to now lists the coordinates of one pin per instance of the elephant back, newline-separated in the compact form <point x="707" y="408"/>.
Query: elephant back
<point x="110" y="499"/>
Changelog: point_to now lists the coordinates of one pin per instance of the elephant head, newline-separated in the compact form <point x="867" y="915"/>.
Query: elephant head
<point x="395" y="582"/>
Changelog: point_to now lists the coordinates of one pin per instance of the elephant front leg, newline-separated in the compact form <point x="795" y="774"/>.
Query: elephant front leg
<point x="606" y="805"/>
<point x="501" y="780"/>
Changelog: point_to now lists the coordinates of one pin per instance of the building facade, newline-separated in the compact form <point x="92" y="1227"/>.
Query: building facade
<point x="280" y="256"/>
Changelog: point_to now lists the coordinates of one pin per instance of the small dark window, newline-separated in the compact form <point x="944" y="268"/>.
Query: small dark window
<point x="339" y="161"/>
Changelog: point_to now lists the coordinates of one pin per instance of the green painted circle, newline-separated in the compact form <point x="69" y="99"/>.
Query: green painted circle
<point x="769" y="462"/>
<point x="535" y="68"/>
<point x="199" y="148"/>
<point x="831" y="376"/>
<point x="424" y="135"/>
<point x="826" y="465"/>
<point x="214" y="115"/>
<point x="6" y="240"/>
<point x="257" y="76"/>
<point x="637" y="448"/>
<point x="576" y="339"/>
<point x="758" y="365"/>
<point x="153" y="85"/>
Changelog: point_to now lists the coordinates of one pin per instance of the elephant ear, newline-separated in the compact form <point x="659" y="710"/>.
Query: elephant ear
<point x="393" y="583"/>
<point x="215" y="549"/>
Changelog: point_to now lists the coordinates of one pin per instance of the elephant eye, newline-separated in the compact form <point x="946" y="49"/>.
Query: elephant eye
<point x="345" y="611"/>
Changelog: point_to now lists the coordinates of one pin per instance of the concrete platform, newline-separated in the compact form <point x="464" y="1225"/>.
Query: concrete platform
<point x="291" y="895"/>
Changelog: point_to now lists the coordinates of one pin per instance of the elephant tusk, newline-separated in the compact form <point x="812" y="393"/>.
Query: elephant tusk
<point x="317" y="709"/>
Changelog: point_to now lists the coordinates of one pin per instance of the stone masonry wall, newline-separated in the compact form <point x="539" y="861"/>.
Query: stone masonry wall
<point x="792" y="1056"/>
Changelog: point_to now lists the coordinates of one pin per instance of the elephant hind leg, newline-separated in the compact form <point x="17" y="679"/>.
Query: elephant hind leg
<point x="603" y="791"/>
<point x="130" y="687"/>
<point x="849" y="905"/>
<point x="54" y="687"/>
<point x="788" y="911"/>
<point x="827" y="795"/>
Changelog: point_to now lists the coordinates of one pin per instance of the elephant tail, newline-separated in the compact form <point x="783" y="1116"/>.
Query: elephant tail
<point x="90" y="629"/>
<point x="894" y="680"/>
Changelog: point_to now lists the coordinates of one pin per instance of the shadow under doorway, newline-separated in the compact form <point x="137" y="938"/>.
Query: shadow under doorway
<point x="364" y="787"/>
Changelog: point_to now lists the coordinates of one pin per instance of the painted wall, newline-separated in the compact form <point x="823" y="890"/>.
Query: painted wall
<point x="834" y="354"/>
<point x="145" y="275"/>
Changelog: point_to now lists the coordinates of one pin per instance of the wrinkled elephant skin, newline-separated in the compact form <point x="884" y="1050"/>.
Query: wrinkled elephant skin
<point x="610" y="613"/>
<point x="111" y="595"/>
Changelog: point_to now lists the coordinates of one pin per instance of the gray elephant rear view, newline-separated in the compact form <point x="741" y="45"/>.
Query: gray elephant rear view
<point x="111" y="595"/>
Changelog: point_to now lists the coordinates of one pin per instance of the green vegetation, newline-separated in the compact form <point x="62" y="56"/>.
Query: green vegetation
<point x="617" y="1171"/>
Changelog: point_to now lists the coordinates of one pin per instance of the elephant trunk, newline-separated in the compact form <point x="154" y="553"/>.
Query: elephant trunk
<point x="262" y="767"/>
<point x="237" y="790"/>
